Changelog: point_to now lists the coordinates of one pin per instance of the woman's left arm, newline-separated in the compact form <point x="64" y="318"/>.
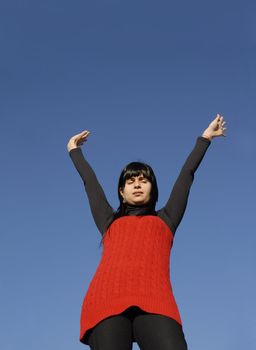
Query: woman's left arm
<point x="175" y="207"/>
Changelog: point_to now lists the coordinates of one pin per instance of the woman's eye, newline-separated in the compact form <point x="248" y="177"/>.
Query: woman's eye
<point x="131" y="181"/>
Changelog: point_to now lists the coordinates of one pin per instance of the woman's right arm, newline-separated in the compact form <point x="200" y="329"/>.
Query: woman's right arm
<point x="101" y="210"/>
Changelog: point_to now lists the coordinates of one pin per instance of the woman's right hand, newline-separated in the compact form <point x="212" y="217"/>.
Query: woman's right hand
<point x="78" y="140"/>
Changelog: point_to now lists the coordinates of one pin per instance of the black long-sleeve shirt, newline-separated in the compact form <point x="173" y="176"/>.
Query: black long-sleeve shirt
<point x="173" y="210"/>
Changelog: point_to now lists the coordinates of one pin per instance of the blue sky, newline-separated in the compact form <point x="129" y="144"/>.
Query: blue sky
<point x="146" y="78"/>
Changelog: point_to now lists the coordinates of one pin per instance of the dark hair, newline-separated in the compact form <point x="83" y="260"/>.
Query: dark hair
<point x="134" y="169"/>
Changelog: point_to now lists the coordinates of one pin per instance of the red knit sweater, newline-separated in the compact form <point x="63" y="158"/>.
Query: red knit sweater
<point x="134" y="270"/>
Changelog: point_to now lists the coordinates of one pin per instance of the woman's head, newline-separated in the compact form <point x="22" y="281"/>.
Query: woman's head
<point x="137" y="185"/>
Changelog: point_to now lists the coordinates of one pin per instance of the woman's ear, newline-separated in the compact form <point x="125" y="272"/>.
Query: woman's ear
<point x="121" y="192"/>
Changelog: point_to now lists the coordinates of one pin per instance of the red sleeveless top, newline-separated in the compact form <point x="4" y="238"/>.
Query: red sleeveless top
<point x="134" y="270"/>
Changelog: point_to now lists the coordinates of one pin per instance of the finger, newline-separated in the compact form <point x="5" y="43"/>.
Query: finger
<point x="81" y="139"/>
<point x="76" y="137"/>
<point x="220" y="122"/>
<point x="223" y="131"/>
<point x="217" y="116"/>
<point x="220" y="119"/>
<point x="80" y="143"/>
<point x="83" y="135"/>
<point x="84" y="132"/>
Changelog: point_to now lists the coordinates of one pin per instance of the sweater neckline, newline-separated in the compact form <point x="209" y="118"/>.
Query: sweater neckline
<point x="136" y="210"/>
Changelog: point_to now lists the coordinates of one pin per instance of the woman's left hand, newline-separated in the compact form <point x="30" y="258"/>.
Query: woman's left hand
<point x="216" y="128"/>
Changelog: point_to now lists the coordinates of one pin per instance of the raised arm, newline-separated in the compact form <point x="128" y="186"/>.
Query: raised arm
<point x="175" y="207"/>
<point x="101" y="210"/>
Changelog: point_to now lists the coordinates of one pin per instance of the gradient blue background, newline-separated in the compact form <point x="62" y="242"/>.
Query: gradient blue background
<point x="146" y="78"/>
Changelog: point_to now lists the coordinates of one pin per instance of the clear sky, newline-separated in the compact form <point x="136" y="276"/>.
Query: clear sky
<point x="146" y="78"/>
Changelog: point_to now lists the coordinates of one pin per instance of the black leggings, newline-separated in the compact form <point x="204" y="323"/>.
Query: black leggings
<point x="149" y="331"/>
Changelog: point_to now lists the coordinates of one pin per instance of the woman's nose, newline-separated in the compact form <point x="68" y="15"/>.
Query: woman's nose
<point x="136" y="184"/>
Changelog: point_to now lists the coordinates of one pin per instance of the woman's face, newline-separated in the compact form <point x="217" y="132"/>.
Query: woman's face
<point x="136" y="190"/>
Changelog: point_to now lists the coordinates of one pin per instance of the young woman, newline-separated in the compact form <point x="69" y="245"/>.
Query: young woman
<point x="130" y="297"/>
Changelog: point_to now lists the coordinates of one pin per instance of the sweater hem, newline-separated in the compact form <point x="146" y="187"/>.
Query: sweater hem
<point x="150" y="305"/>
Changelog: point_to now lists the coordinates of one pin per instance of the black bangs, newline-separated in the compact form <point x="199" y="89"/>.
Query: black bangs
<point x="136" y="169"/>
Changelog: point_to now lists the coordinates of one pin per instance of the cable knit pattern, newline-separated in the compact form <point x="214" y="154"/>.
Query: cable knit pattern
<point x="134" y="270"/>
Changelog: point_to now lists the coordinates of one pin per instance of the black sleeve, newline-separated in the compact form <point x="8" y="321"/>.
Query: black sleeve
<point x="101" y="210"/>
<point x="174" y="209"/>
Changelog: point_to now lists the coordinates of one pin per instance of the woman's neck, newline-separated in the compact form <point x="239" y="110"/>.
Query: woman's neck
<point x="144" y="209"/>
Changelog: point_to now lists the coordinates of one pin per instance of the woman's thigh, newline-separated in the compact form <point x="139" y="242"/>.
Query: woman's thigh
<point x="113" y="333"/>
<point x="158" y="332"/>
